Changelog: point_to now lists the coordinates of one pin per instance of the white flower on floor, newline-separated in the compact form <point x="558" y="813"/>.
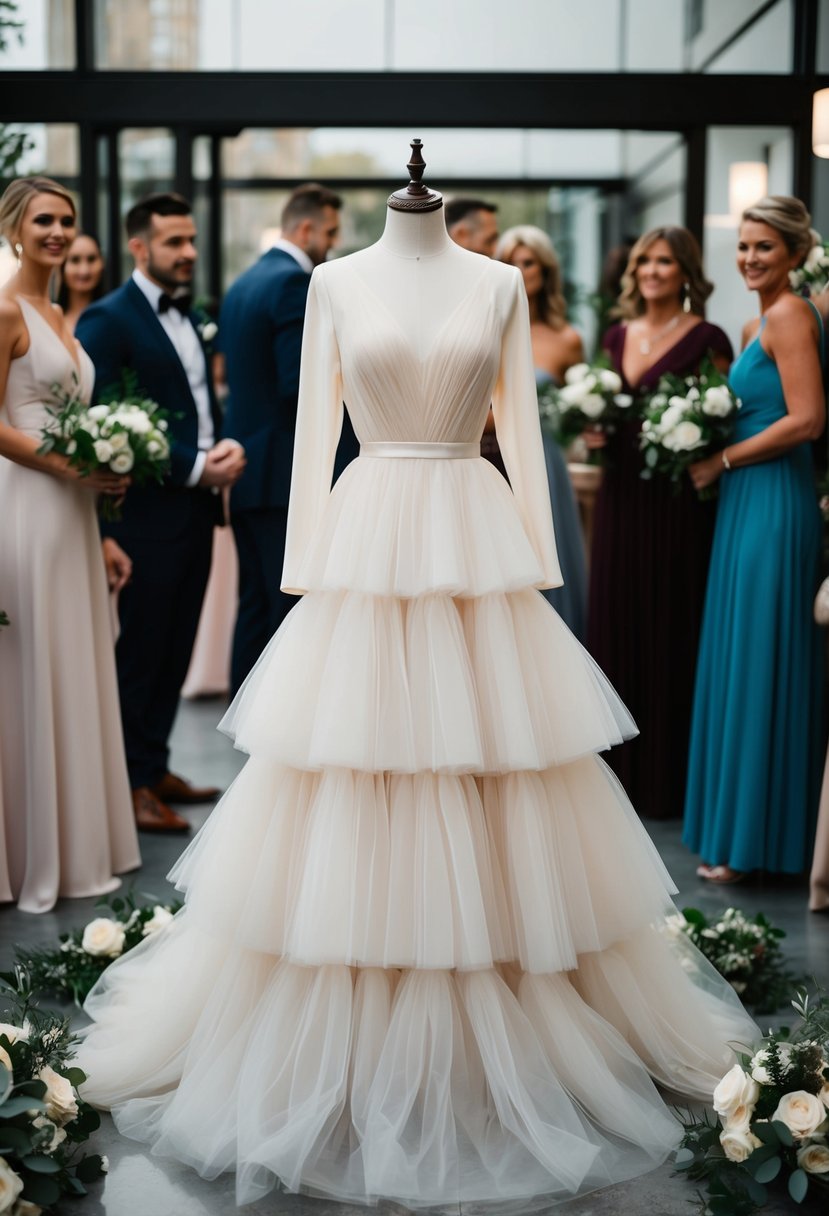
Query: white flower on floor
<point x="802" y="1113"/>
<point x="758" y="1068"/>
<point x="814" y="1159"/>
<point x="738" y="1143"/>
<point x="736" y="1095"/>
<point x="61" y="1104"/>
<point x="159" y="920"/>
<point x="104" y="1164"/>
<point x="58" y="1134"/>
<point x="10" y="1185"/>
<point x="103" y="936"/>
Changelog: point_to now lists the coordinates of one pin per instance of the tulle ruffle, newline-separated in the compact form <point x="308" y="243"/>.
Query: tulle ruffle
<point x="414" y="527"/>
<point x="437" y="684"/>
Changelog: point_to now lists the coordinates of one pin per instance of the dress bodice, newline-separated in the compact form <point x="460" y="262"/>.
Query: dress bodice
<point x="756" y="381"/>
<point x="681" y="359"/>
<point x="30" y="387"/>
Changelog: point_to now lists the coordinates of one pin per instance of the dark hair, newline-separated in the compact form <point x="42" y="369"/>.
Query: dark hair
<point x="458" y="209"/>
<point x="99" y="288"/>
<point x="306" y="203"/>
<point x="140" y="216"/>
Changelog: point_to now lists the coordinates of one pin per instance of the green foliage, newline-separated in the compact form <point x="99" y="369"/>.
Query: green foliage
<point x="746" y="952"/>
<point x="13" y="144"/>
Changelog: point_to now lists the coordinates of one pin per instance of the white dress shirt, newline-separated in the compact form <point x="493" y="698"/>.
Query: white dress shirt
<point x="179" y="329"/>
<point x="299" y="255"/>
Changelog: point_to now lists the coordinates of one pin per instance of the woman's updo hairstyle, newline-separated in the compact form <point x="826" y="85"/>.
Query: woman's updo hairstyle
<point x="789" y="217"/>
<point x="16" y="198"/>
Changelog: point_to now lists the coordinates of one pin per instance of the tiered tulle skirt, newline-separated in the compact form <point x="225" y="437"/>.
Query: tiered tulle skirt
<point x="421" y="956"/>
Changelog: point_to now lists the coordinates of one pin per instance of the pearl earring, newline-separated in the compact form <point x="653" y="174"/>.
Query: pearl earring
<point x="686" y="303"/>
<point x="18" y="249"/>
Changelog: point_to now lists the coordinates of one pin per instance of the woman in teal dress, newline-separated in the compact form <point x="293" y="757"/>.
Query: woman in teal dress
<point x="754" y="763"/>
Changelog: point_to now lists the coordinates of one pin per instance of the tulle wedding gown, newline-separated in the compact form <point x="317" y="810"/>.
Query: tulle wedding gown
<point x="420" y="956"/>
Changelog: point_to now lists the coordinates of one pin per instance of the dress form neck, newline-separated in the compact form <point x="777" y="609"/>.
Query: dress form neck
<point x="415" y="235"/>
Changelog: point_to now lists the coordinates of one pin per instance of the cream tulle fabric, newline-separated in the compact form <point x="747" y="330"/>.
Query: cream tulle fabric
<point x="420" y="956"/>
<point x="67" y="822"/>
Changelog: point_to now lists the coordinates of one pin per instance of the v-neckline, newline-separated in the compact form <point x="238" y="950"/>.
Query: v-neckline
<point x="76" y="362"/>
<point x="634" y="388"/>
<point x="424" y="358"/>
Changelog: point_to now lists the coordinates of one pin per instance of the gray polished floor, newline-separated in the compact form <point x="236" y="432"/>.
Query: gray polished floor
<point x="138" y="1185"/>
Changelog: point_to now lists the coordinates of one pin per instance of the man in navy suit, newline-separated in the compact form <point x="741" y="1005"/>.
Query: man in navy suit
<point x="146" y="326"/>
<point x="260" y="332"/>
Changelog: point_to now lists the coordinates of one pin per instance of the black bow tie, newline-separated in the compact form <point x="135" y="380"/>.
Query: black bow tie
<point x="182" y="303"/>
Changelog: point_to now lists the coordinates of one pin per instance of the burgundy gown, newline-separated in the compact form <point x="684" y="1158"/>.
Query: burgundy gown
<point x="648" y="569"/>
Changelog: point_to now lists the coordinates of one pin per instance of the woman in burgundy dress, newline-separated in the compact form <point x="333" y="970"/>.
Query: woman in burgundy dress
<point x="651" y="543"/>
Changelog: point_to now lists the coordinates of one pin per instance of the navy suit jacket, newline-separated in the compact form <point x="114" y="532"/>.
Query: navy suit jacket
<point x="122" y="331"/>
<point x="260" y="334"/>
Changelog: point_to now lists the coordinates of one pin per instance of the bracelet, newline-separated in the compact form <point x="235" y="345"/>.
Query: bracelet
<point x="725" y="460"/>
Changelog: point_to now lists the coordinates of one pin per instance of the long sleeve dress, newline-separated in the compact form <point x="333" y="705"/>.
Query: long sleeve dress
<point x="648" y="570"/>
<point x="418" y="958"/>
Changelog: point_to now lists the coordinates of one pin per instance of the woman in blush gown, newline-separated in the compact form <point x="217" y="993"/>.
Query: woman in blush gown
<point x="406" y="968"/>
<point x="556" y="346"/>
<point x="67" y="826"/>
<point x="754" y="768"/>
<point x="651" y="545"/>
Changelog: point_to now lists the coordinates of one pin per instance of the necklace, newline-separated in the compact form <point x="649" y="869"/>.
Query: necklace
<point x="646" y="345"/>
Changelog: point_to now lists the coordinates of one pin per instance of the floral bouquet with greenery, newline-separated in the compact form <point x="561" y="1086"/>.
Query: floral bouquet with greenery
<point x="43" y="1121"/>
<point x="685" y="420"/>
<point x="591" y="396"/>
<point x="125" y="435"/>
<point x="745" y="951"/>
<point x="71" y="969"/>
<point x="772" y="1124"/>
<point x="812" y="277"/>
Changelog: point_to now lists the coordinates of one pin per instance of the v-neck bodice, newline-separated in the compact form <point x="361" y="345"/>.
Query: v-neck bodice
<point x="681" y="359"/>
<point x="30" y="387"/>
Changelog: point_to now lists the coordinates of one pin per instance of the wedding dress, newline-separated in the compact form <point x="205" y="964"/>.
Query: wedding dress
<point x="420" y="956"/>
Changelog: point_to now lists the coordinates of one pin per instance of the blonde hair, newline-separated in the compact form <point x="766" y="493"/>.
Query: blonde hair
<point x="789" y="217"/>
<point x="685" y="248"/>
<point x="552" y="307"/>
<point x="17" y="196"/>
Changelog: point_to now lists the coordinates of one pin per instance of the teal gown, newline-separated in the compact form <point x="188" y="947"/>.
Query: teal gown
<point x="754" y="761"/>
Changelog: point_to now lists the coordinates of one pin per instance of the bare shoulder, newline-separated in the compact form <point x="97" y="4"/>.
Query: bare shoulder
<point x="11" y="318"/>
<point x="571" y="340"/>
<point x="790" y="317"/>
<point x="749" y="331"/>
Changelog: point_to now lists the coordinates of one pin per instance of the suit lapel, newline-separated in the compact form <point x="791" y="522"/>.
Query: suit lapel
<point x="157" y="334"/>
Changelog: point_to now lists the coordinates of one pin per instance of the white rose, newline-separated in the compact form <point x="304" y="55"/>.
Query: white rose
<point x="160" y="919"/>
<point x="162" y="424"/>
<point x="693" y="393"/>
<point x="758" y="1068"/>
<point x="13" y="1033"/>
<point x="577" y="372"/>
<point x="623" y="400"/>
<point x="673" y="415"/>
<point x="687" y="436"/>
<point x="738" y="1143"/>
<point x="10" y="1185"/>
<point x="138" y="423"/>
<point x="103" y="937"/>
<point x="801" y="1112"/>
<point x="794" y="278"/>
<point x="103" y="450"/>
<point x="209" y="331"/>
<point x="717" y="402"/>
<point x="98" y="412"/>
<point x="154" y="447"/>
<point x="71" y="447"/>
<point x="573" y="394"/>
<point x="119" y="441"/>
<point x="593" y="405"/>
<point x="58" y="1134"/>
<point x="736" y="1093"/>
<point x="814" y="258"/>
<point x="814" y="1158"/>
<point x="61" y="1104"/>
<point x="89" y="426"/>
<point x="122" y="462"/>
<point x="658" y="400"/>
<point x="610" y="380"/>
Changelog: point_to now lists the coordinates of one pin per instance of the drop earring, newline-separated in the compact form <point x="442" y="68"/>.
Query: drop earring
<point x="18" y="249"/>
<point x="686" y="300"/>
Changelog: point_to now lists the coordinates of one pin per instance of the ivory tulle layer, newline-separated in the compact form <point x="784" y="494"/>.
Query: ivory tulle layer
<point x="425" y="871"/>
<point x="411" y="527"/>
<point x="439" y="683"/>
<point x="421" y="1086"/>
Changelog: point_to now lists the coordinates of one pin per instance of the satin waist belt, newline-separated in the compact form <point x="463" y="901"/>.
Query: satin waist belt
<point x="422" y="451"/>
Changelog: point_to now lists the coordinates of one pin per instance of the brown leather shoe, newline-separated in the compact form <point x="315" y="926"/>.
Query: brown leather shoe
<point x="152" y="815"/>
<point x="175" y="789"/>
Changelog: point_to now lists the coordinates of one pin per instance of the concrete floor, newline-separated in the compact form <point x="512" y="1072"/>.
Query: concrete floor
<point x="138" y="1185"/>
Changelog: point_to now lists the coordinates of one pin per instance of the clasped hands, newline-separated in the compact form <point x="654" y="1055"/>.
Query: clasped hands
<point x="224" y="464"/>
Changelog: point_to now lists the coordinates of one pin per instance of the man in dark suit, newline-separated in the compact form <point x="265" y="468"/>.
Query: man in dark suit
<point x="260" y="335"/>
<point x="146" y="326"/>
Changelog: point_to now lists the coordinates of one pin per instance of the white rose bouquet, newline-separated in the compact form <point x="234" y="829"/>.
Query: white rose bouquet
<point x="772" y="1124"/>
<point x="685" y="420"/>
<point x="591" y="396"/>
<point x="127" y="435"/>
<point x="812" y="277"/>
<point x="43" y="1120"/>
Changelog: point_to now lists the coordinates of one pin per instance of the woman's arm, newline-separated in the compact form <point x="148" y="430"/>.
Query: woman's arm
<point x="791" y="341"/>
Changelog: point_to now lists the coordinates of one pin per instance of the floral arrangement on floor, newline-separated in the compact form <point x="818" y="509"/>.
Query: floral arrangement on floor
<point x="772" y="1124"/>
<point x="72" y="969"/>
<point x="685" y="420"/>
<point x="124" y="435"/>
<point x="746" y="952"/>
<point x="591" y="396"/>
<point x="43" y="1121"/>
<point x="813" y="276"/>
